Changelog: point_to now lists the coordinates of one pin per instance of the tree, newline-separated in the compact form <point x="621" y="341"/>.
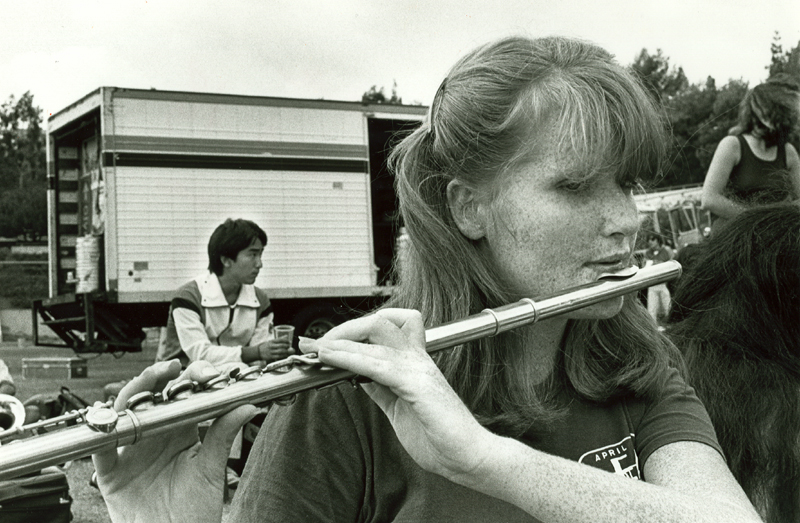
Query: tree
<point x="783" y="62"/>
<point x="655" y="73"/>
<point x="23" y="211"/>
<point x="22" y="144"/>
<point x="377" y="96"/>
<point x="723" y="117"/>
<point x="687" y="111"/>
<point x="23" y="174"/>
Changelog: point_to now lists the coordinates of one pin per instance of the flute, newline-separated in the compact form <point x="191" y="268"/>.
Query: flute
<point x="101" y="428"/>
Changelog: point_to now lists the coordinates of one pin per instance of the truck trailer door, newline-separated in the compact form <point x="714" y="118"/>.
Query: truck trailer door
<point x="384" y="134"/>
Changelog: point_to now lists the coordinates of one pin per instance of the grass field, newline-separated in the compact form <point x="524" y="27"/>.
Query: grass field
<point x="88" y="506"/>
<point x="23" y="278"/>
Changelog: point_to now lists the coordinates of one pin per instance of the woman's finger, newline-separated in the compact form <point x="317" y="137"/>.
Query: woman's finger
<point x="379" y="363"/>
<point x="152" y="379"/>
<point x="197" y="371"/>
<point x="407" y="320"/>
<point x="396" y="328"/>
<point x="219" y="438"/>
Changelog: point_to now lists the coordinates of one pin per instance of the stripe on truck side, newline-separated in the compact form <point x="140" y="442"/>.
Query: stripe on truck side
<point x="189" y="161"/>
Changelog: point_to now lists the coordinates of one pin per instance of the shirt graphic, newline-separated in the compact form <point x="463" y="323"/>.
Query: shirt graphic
<point x="619" y="458"/>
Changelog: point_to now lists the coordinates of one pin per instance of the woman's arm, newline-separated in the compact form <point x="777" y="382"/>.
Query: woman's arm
<point x="686" y="481"/>
<point x="725" y="158"/>
<point x="793" y="164"/>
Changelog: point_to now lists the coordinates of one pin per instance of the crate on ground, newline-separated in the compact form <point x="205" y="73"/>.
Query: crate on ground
<point x="54" y="368"/>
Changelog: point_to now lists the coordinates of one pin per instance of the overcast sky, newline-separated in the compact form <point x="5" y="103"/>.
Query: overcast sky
<point x="61" y="50"/>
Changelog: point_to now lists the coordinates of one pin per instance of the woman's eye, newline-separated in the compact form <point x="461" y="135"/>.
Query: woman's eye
<point x="572" y="186"/>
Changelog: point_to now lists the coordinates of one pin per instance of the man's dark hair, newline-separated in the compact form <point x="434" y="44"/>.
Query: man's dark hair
<point x="229" y="239"/>
<point x="656" y="237"/>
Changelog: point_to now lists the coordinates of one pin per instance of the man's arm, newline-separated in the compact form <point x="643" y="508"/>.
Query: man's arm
<point x="195" y="342"/>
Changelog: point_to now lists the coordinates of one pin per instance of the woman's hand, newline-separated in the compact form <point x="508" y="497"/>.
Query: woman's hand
<point x="172" y="477"/>
<point x="430" y="420"/>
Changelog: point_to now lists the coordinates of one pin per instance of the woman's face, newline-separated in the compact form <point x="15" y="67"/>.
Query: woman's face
<point x="548" y="233"/>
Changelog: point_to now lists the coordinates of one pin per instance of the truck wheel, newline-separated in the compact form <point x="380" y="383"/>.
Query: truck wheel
<point x="314" y="321"/>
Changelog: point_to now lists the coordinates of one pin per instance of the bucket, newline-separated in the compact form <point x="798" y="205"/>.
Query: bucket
<point x="87" y="263"/>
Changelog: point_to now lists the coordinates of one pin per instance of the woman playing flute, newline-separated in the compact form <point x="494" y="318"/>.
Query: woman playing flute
<point x="519" y="183"/>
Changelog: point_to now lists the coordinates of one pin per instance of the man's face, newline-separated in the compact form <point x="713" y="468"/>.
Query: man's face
<point x="244" y="269"/>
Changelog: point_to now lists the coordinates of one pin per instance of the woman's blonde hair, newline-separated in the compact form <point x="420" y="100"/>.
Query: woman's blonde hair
<point x="483" y="120"/>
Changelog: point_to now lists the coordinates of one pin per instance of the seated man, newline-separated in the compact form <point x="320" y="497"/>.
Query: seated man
<point x="220" y="316"/>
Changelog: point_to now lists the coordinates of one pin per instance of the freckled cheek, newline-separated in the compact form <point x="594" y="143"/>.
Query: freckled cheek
<point x="529" y="261"/>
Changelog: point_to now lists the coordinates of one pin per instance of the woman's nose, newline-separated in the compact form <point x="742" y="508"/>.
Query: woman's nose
<point x="619" y="212"/>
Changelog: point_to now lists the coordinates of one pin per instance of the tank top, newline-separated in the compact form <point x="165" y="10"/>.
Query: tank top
<point x="757" y="181"/>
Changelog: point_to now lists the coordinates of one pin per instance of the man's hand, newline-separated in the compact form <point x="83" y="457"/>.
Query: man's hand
<point x="275" y="349"/>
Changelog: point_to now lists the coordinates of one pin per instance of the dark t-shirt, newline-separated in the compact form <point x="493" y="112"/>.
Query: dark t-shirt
<point x="333" y="456"/>
<point x="756" y="181"/>
<point x="660" y="255"/>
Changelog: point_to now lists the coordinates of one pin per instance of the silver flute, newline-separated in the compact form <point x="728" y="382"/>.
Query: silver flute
<point x="29" y="448"/>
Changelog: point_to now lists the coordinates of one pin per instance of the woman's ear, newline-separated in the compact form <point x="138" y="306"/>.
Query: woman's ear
<point x="467" y="210"/>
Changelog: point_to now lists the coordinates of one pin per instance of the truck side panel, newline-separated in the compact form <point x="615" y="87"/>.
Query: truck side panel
<point x="237" y="126"/>
<point x="317" y="225"/>
<point x="180" y="167"/>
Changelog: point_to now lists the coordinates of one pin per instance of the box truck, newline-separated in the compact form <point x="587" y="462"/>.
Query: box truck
<point x="138" y="180"/>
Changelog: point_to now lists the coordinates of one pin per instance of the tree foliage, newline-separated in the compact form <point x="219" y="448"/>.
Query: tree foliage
<point x="377" y="96"/>
<point x="700" y="115"/>
<point x="23" y="189"/>
<point x="655" y="73"/>
<point x="784" y="62"/>
<point x="23" y="211"/>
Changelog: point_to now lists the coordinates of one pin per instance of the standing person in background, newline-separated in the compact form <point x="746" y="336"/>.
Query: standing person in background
<point x="736" y="318"/>
<point x="221" y="317"/>
<point x="792" y="86"/>
<point x="658" y="295"/>
<point x="582" y="417"/>
<point x="755" y="164"/>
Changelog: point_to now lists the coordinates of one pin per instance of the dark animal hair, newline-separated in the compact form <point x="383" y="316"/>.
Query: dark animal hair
<point x="736" y="318"/>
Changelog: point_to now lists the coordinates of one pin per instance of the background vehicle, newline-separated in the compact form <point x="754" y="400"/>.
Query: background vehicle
<point x="675" y="214"/>
<point x="140" y="178"/>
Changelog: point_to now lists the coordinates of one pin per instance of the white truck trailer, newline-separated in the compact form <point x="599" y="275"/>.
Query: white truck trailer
<point x="140" y="178"/>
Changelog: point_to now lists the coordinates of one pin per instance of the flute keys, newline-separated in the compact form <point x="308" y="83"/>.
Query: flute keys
<point x="141" y="401"/>
<point x="250" y="373"/>
<point x="102" y="418"/>
<point x="180" y="390"/>
<point x="220" y="382"/>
